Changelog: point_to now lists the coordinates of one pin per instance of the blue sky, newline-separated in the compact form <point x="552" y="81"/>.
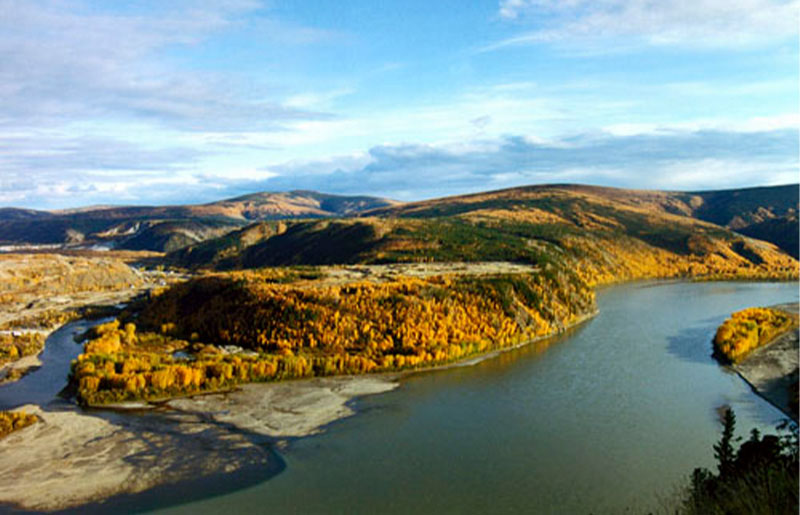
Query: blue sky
<point x="149" y="102"/>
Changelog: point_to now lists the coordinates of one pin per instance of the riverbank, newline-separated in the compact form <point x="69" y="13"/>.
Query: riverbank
<point x="111" y="453"/>
<point x="772" y="370"/>
<point x="31" y="316"/>
<point x="73" y="457"/>
<point x="40" y="292"/>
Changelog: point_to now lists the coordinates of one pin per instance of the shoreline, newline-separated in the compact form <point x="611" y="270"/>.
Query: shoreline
<point x="245" y="419"/>
<point x="772" y="369"/>
<point x="474" y="360"/>
<point x="73" y="457"/>
<point x="113" y="453"/>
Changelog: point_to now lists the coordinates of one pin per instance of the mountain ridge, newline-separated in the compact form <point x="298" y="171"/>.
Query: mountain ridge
<point x="613" y="234"/>
<point x="762" y="212"/>
<point x="167" y="228"/>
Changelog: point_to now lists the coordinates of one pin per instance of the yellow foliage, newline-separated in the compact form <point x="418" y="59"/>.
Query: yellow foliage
<point x="749" y="329"/>
<point x="11" y="421"/>
<point x="310" y="330"/>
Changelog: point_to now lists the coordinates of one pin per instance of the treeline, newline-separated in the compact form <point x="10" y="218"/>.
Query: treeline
<point x="11" y="421"/>
<point x="17" y="345"/>
<point x="758" y="477"/>
<point x="749" y="329"/>
<point x="47" y="319"/>
<point x="302" y="330"/>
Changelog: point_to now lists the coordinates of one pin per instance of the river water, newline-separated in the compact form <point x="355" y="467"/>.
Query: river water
<point x="608" y="418"/>
<point x="43" y="385"/>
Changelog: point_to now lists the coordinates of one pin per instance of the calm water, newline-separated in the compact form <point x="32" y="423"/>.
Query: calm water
<point x="43" y="385"/>
<point x="603" y="420"/>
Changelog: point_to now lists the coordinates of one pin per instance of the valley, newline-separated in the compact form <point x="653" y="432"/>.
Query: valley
<point x="269" y="330"/>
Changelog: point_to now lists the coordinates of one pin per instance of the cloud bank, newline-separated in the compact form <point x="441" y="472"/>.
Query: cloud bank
<point x="704" y="23"/>
<point x="663" y="159"/>
<point x="682" y="160"/>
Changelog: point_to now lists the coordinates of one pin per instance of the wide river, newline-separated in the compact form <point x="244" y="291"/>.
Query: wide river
<point x="609" y="418"/>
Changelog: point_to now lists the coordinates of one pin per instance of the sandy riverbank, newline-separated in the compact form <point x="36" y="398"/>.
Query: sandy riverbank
<point x="72" y="457"/>
<point x="772" y="370"/>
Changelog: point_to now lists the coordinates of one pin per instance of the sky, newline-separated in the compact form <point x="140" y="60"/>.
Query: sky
<point x="190" y="101"/>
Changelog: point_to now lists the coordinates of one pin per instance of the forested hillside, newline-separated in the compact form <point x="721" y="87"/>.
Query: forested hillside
<point x="307" y="321"/>
<point x="307" y="328"/>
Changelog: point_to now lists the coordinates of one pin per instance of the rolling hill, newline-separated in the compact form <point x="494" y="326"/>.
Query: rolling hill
<point x="167" y="228"/>
<point x="768" y="213"/>
<point x="604" y="234"/>
<point x="562" y="240"/>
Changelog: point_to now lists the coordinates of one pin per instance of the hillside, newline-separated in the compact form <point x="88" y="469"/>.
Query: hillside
<point x="284" y="326"/>
<point x="167" y="228"/>
<point x="604" y="234"/>
<point x="766" y="213"/>
<point x="277" y="322"/>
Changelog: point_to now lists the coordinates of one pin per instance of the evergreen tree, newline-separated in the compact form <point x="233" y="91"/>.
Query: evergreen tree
<point x="724" y="451"/>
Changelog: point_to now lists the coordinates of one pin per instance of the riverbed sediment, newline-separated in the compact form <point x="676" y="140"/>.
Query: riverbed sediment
<point x="72" y="457"/>
<point x="112" y="453"/>
<point x="772" y="370"/>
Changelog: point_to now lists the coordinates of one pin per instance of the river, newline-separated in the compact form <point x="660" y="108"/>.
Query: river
<point x="608" y="418"/>
<point x="43" y="385"/>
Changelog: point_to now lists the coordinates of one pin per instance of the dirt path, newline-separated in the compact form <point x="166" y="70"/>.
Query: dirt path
<point x="380" y="273"/>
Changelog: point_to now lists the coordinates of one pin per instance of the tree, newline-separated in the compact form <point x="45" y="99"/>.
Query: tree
<point x="723" y="450"/>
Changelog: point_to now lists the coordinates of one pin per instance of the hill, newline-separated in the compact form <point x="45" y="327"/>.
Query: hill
<point x="167" y="228"/>
<point x="605" y="234"/>
<point x="768" y="213"/>
<point x="279" y="323"/>
<point x="270" y="325"/>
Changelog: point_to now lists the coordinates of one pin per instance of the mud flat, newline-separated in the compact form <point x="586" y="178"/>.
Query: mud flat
<point x="772" y="370"/>
<point x="71" y="457"/>
<point x="14" y="370"/>
<point x="287" y="409"/>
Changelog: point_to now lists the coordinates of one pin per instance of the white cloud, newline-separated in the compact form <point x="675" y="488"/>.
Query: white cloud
<point x="707" y="23"/>
<point x="316" y="99"/>
<point x="63" y="63"/>
<point x="669" y="158"/>
<point x="703" y="174"/>
<point x="94" y="172"/>
<point x="748" y="125"/>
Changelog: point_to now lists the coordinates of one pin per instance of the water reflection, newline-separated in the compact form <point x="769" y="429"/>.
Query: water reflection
<point x="692" y="344"/>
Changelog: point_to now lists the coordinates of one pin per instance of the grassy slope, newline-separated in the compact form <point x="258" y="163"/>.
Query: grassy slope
<point x="607" y="234"/>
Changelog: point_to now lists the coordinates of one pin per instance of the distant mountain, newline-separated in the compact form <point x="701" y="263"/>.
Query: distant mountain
<point x="168" y="228"/>
<point x="11" y="213"/>
<point x="768" y="213"/>
<point x="603" y="233"/>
